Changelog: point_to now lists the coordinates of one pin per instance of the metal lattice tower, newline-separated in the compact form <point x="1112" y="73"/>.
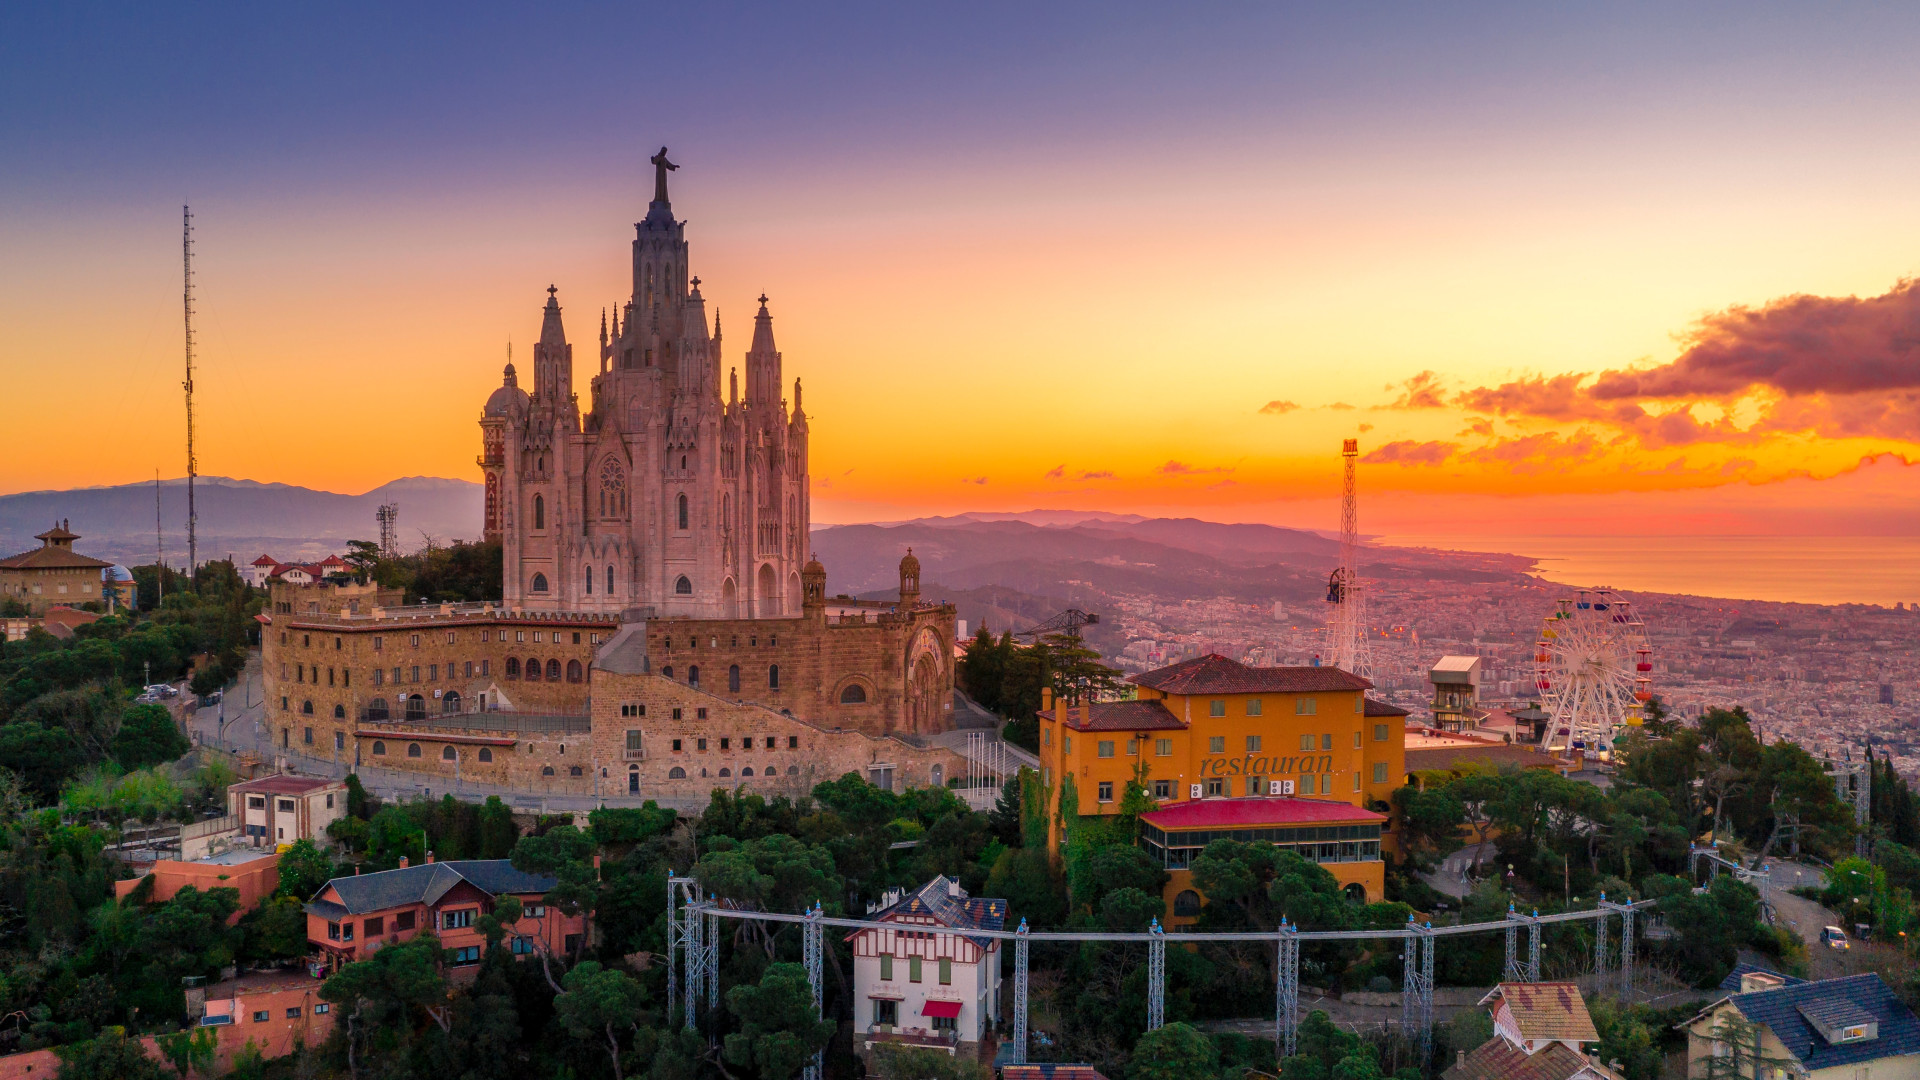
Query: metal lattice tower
<point x="1601" y="956"/>
<point x="1156" y="977"/>
<point x="389" y="517"/>
<point x="193" y="465"/>
<point x="1416" y="996"/>
<point x="1853" y="784"/>
<point x="1514" y="972"/>
<point x="1347" y="647"/>
<point x="1600" y="947"/>
<point x="1533" y="947"/>
<point x="1286" y="990"/>
<point x="695" y="970"/>
<point x="1019" y="1052"/>
<point x="812" y="950"/>
<point x="712" y="966"/>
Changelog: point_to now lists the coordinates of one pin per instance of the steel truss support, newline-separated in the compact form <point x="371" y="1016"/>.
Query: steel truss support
<point x="1019" y="1049"/>
<point x="678" y="953"/>
<point x="694" y="971"/>
<point x="1600" y="947"/>
<point x="1606" y="906"/>
<point x="1533" y="947"/>
<point x="811" y="949"/>
<point x="1416" y="995"/>
<point x="712" y="968"/>
<point x="1286" y="989"/>
<point x="1156" y="977"/>
<point x="1514" y="970"/>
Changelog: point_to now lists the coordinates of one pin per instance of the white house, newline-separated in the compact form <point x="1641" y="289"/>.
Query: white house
<point x="924" y="980"/>
<point x="258" y="571"/>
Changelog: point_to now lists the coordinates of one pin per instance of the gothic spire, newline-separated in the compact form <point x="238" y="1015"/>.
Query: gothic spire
<point x="763" y="328"/>
<point x="551" y="332"/>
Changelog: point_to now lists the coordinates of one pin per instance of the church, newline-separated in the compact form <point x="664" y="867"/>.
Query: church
<point x="663" y="494"/>
<point x="661" y="611"/>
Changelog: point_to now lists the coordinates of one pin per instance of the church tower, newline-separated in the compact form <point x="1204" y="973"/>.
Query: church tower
<point x="663" y="496"/>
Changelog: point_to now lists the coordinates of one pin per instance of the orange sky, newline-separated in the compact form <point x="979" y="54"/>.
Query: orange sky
<point x="1048" y="315"/>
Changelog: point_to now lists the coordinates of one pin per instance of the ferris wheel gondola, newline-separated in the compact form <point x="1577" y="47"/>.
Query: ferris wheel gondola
<point x="1593" y="668"/>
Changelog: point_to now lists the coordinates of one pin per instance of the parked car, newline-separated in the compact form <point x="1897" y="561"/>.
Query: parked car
<point x="162" y="690"/>
<point x="1834" y="938"/>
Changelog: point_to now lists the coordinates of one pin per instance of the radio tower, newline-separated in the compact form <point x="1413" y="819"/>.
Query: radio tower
<point x="186" y="256"/>
<point x="1347" y="623"/>
<point x="389" y="517"/>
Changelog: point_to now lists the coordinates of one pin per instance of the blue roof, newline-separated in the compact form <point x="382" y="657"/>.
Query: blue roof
<point x="1780" y="1011"/>
<point x="1732" y="981"/>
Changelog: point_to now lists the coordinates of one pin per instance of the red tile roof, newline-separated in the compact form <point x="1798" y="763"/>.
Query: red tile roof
<point x="1548" y="1010"/>
<point x="1498" y="1059"/>
<point x="1252" y="813"/>
<point x="1381" y="708"/>
<point x="1215" y="674"/>
<point x="1050" y="1071"/>
<point x="52" y="558"/>
<point x="1119" y="716"/>
<point x="266" y="560"/>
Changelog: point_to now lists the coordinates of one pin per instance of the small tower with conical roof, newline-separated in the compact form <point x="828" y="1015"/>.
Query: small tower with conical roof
<point x="909" y="580"/>
<point x="813" y="585"/>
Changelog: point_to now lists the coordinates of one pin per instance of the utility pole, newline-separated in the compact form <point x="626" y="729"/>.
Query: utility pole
<point x="159" y="548"/>
<point x="186" y="257"/>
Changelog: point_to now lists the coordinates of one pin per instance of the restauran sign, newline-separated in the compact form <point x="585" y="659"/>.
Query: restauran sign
<point x="1266" y="766"/>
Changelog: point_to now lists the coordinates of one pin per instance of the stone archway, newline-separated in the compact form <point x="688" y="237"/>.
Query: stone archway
<point x="729" y="600"/>
<point x="924" y="714"/>
<point x="766" y="594"/>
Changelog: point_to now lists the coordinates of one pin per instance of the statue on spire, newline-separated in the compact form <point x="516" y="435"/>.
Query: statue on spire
<point x="660" y="168"/>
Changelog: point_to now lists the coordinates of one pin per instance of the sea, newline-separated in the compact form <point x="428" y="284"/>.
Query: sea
<point x="1882" y="570"/>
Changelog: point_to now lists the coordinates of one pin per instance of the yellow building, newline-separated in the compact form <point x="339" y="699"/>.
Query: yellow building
<point x="1214" y="729"/>
<point x="53" y="573"/>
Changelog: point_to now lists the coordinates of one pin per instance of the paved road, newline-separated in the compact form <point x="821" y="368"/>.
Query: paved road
<point x="1806" y="918"/>
<point x="1450" y="876"/>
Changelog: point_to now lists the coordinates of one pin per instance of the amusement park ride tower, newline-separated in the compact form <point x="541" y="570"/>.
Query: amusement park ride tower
<point x="1347" y="623"/>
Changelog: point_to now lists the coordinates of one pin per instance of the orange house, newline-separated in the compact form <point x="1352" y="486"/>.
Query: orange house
<point x="354" y="917"/>
<point x="254" y="874"/>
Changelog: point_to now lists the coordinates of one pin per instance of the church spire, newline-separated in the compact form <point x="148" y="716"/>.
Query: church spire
<point x="763" y="361"/>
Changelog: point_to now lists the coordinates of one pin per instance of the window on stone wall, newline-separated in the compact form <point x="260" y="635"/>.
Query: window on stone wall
<point x="854" y="694"/>
<point x="486" y="753"/>
<point x="693" y="676"/>
<point x="513" y="667"/>
<point x="676" y="773"/>
<point x="574" y="772"/>
<point x="413" y="749"/>
<point x="546" y="770"/>
<point x="793" y="742"/>
<point x="733" y="679"/>
<point x="553" y="671"/>
<point x="379" y="748"/>
<point x="773" y="676"/>
<point x="447" y="753"/>
<point x="574" y="671"/>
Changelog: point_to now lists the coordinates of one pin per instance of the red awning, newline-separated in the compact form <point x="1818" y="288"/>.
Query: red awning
<point x="945" y="1010"/>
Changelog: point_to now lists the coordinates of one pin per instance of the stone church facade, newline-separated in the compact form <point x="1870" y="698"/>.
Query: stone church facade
<point x="657" y="540"/>
<point x="662" y="494"/>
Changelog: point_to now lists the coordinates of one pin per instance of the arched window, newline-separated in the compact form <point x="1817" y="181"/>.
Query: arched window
<point x="533" y="670"/>
<point x="726" y="772"/>
<point x="693" y="676"/>
<point x="589" y="581"/>
<point x="748" y="771"/>
<point x="683" y="511"/>
<point x="539" y="512"/>
<point x="609" y="579"/>
<point x="416" y="707"/>
<point x="573" y="671"/>
<point x="854" y="694"/>
<point x="938" y="776"/>
<point x="379" y="748"/>
<point x="553" y="671"/>
<point x="773" y="676"/>
<point x="733" y="679"/>
<point x="513" y="667"/>
<point x="793" y="770"/>
<point x="676" y="773"/>
<point x="307" y="707"/>
<point x="377" y="709"/>
<point x="667" y="672"/>
<point x="451" y="702"/>
<point x="539" y="583"/>
<point x="413" y="749"/>
<point x="613" y="486"/>
<point x="339" y="712"/>
<point x="447" y="754"/>
<point x="1187" y="903"/>
<point x="682" y="586"/>
<point x="574" y="772"/>
<point x="546" y="770"/>
<point x="486" y="753"/>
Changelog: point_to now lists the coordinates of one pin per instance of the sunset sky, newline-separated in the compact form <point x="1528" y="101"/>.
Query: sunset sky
<point x="1583" y="270"/>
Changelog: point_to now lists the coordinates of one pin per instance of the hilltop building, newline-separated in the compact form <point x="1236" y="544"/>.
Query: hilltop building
<point x="1540" y="1032"/>
<point x="351" y="918"/>
<point x="657" y="588"/>
<point x="53" y="573"/>
<point x="922" y="980"/>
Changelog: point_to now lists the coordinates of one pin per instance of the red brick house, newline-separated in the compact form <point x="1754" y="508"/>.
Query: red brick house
<point x="354" y="917"/>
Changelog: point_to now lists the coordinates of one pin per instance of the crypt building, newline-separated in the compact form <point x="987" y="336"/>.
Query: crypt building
<point x="656" y="582"/>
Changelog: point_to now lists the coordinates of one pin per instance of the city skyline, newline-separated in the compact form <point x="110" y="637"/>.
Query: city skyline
<point x="1543" y="272"/>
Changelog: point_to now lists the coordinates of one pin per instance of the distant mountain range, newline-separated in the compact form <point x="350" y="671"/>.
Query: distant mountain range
<point x="244" y="517"/>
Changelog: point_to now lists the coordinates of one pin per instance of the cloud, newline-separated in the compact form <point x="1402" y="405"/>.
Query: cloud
<point x="1181" y="468"/>
<point x="1407" y="452"/>
<point x="1339" y="405"/>
<point x="1420" y="392"/>
<point x="973" y="479"/>
<point x="1533" y="454"/>
<point x="1278" y="408"/>
<point x="1364" y="428"/>
<point x="1056" y="472"/>
<point x="1795" y="345"/>
<point x="1103" y="474"/>
<point x="1556" y="398"/>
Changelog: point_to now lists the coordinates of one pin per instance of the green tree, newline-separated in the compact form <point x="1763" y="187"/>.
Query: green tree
<point x="190" y="1051"/>
<point x="893" y="1061"/>
<point x="147" y="736"/>
<point x="1173" y="1052"/>
<point x="109" y="1056"/>
<point x="392" y="835"/>
<point x="498" y="833"/>
<point x="779" y="1031"/>
<point x="276" y="930"/>
<point x="304" y="870"/>
<point x="1032" y="887"/>
<point x="599" y="1004"/>
<point x="388" y="993"/>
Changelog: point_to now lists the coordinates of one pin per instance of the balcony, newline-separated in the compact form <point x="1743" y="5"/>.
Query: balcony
<point x="912" y="1036"/>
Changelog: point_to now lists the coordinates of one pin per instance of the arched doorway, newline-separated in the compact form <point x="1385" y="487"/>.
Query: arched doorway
<point x="450" y="702"/>
<point x="793" y="594"/>
<point x="633" y="779"/>
<point x="729" y="600"/>
<point x="416" y="707"/>
<point x="924" y="714"/>
<point x="766" y="598"/>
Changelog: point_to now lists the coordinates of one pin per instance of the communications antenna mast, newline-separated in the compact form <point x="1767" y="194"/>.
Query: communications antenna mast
<point x="159" y="548"/>
<point x="389" y="518"/>
<point x="1347" y="623"/>
<point x="186" y="257"/>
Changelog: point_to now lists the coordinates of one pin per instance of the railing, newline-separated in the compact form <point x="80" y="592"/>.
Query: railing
<point x="913" y="1036"/>
<point x="518" y="723"/>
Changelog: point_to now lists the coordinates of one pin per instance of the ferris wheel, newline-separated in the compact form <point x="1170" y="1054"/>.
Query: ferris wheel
<point x="1594" y="670"/>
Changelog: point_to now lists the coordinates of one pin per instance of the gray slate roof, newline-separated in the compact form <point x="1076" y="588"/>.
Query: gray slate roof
<point x="960" y="913"/>
<point x="1780" y="1009"/>
<point x="427" y="883"/>
<point x="1732" y="981"/>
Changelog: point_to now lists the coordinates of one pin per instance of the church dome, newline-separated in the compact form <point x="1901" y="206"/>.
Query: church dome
<point x="910" y="566"/>
<point x="504" y="399"/>
<point x="813" y="567"/>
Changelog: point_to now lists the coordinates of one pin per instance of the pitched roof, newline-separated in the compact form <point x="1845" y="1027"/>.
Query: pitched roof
<point x="958" y="912"/>
<point x="266" y="560"/>
<point x="1780" y="1011"/>
<point x="1548" y="1010"/>
<point x="1050" y="1070"/>
<point x="428" y="882"/>
<point x="52" y="558"/>
<point x="1120" y="716"/>
<point x="1215" y="674"/>
<point x="1498" y="1059"/>
<point x="1382" y="708"/>
<point x="1251" y="813"/>
<point x="1732" y="981"/>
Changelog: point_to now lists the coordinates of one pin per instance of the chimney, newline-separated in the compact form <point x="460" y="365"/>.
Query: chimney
<point x="953" y="888"/>
<point x="429" y="857"/>
<point x="403" y="862"/>
<point x="1460" y="1059"/>
<point x="1046" y="699"/>
<point x="356" y="869"/>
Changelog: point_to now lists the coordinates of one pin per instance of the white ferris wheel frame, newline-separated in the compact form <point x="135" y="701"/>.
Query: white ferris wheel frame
<point x="1593" y="667"/>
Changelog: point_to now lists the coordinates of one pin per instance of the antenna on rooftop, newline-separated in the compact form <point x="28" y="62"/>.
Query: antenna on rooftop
<point x="186" y="257"/>
<point x="1347" y="623"/>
